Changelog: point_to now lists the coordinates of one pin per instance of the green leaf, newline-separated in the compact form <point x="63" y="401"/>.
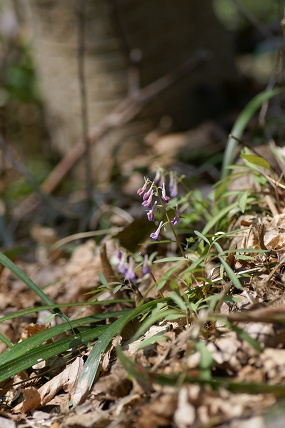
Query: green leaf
<point x="231" y="274"/>
<point x="202" y="236"/>
<point x="26" y="280"/>
<point x="151" y="340"/>
<point x="20" y="349"/>
<point x="179" y="301"/>
<point x="206" y="361"/>
<point x="147" y="378"/>
<point x="6" y="341"/>
<point x="243" y="201"/>
<point x="135" y="370"/>
<point x="214" y="220"/>
<point x="61" y="305"/>
<point x="92" y="364"/>
<point x="22" y="362"/>
<point x="256" y="160"/>
<point x="103" y="279"/>
<point x="155" y="316"/>
<point x="171" y="259"/>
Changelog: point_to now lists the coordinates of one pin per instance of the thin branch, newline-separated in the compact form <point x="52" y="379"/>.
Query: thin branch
<point x="30" y="203"/>
<point x="252" y="19"/>
<point x="126" y="110"/>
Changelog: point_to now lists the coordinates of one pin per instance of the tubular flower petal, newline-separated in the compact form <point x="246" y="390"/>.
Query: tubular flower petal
<point x="122" y="266"/>
<point x="146" y="265"/>
<point x="157" y="176"/>
<point x="130" y="274"/>
<point x="150" y="213"/>
<point x="148" y="193"/>
<point x="163" y="194"/>
<point x="176" y="218"/>
<point x="173" y="187"/>
<point x="142" y="190"/>
<point x="147" y="202"/>
<point x="156" y="235"/>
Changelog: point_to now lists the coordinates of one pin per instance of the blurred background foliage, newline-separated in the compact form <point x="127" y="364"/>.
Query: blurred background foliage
<point x="255" y="30"/>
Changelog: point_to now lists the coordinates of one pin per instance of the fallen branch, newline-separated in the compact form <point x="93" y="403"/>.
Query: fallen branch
<point x="127" y="110"/>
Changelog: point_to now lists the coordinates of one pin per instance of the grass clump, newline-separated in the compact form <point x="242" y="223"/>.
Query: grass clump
<point x="201" y="254"/>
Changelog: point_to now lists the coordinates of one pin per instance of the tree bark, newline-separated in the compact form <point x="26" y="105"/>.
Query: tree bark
<point x="164" y="32"/>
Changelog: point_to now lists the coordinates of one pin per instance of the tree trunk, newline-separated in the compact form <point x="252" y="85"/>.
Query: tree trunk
<point x="165" y="32"/>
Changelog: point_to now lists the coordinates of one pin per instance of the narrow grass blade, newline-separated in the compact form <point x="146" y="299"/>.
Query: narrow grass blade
<point x="61" y="305"/>
<point x="241" y="123"/>
<point x="162" y="314"/>
<point x="33" y="286"/>
<point x="44" y="352"/>
<point x="206" y="361"/>
<point x="24" y="347"/>
<point x="91" y="366"/>
<point x="6" y="341"/>
<point x="214" y="220"/>
<point x="231" y="274"/>
<point x="146" y="377"/>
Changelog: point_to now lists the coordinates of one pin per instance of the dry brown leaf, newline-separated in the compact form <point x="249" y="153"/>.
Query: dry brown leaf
<point x="114" y="384"/>
<point x="66" y="380"/>
<point x="274" y="236"/>
<point x="106" y="265"/>
<point x="31" y="401"/>
<point x="274" y="315"/>
<point x="158" y="412"/>
<point x="98" y="419"/>
<point x="32" y="329"/>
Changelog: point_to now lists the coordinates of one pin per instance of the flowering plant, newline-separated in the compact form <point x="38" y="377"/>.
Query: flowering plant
<point x="155" y="197"/>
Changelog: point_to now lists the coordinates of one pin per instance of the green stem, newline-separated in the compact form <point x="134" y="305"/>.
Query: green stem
<point x="172" y="228"/>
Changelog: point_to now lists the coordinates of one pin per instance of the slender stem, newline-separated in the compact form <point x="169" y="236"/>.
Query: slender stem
<point x="172" y="228"/>
<point x="83" y="98"/>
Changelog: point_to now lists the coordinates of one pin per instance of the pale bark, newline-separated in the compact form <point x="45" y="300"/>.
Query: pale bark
<point x="166" y="32"/>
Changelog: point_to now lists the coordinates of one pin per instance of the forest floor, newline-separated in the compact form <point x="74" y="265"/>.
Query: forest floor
<point x="214" y="357"/>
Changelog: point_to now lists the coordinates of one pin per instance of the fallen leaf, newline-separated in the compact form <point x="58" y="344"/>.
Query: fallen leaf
<point x="65" y="380"/>
<point x="31" y="401"/>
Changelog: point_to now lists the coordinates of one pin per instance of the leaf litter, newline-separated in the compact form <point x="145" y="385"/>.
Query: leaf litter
<point x="222" y="367"/>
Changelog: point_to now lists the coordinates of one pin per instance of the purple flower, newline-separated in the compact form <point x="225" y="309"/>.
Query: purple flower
<point x="147" y="202"/>
<point x="130" y="274"/>
<point x="122" y="266"/>
<point x="156" y="235"/>
<point x="176" y="218"/>
<point x="173" y="187"/>
<point x="141" y="190"/>
<point x="163" y="194"/>
<point x="150" y="213"/>
<point x="146" y="266"/>
<point x="148" y="193"/>
<point x="157" y="176"/>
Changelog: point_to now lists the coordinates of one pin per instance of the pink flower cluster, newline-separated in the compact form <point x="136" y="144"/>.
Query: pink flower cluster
<point x="126" y="265"/>
<point x="150" y="189"/>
